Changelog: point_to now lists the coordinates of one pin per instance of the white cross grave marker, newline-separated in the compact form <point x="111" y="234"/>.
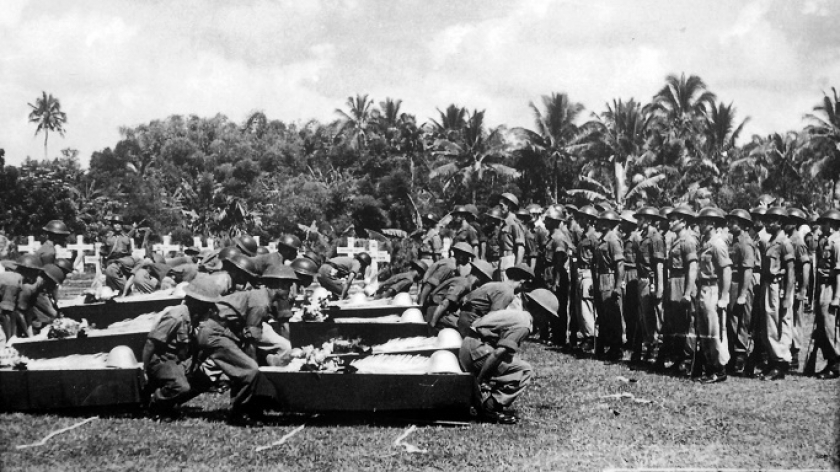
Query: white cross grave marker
<point x="31" y="246"/>
<point x="80" y="247"/>
<point x="166" y="247"/>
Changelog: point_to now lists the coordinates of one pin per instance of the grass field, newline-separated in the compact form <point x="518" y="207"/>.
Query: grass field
<point x="565" y="425"/>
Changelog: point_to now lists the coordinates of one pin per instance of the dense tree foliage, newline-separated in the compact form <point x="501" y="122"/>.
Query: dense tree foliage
<point x="377" y="167"/>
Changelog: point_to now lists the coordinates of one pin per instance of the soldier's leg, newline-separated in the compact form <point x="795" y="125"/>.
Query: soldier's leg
<point x="560" y="323"/>
<point x="797" y="315"/>
<point x="169" y="380"/>
<point x="776" y="328"/>
<point x="510" y="379"/>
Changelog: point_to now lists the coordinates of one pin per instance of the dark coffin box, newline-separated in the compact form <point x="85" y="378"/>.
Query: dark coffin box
<point x="328" y="391"/>
<point x="316" y="333"/>
<point x="51" y="389"/>
<point x="104" y="314"/>
<point x="48" y="348"/>
<point x="372" y="311"/>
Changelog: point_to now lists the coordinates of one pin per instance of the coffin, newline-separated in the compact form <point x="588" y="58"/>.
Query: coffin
<point x="372" y="309"/>
<point x="316" y="333"/>
<point x="340" y="392"/>
<point x="52" y="389"/>
<point x="49" y="348"/>
<point x="104" y="314"/>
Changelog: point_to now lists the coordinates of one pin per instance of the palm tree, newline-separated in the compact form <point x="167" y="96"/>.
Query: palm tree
<point x="620" y="134"/>
<point x="471" y="155"/>
<point x="721" y="133"/>
<point x="777" y="161"/>
<point x="557" y="140"/>
<point x="452" y="121"/>
<point x="47" y="113"/>
<point x="824" y="139"/>
<point x="355" y="125"/>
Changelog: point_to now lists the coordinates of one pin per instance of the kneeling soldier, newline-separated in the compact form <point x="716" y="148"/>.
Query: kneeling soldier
<point x="170" y="348"/>
<point x="490" y="352"/>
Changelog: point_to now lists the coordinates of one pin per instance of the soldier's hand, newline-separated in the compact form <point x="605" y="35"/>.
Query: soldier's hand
<point x="835" y="303"/>
<point x="616" y="293"/>
<point x="723" y="303"/>
<point x="800" y="296"/>
<point x="686" y="300"/>
<point x="742" y="300"/>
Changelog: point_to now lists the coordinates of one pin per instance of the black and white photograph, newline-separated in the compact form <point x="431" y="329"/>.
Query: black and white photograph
<point x="309" y="235"/>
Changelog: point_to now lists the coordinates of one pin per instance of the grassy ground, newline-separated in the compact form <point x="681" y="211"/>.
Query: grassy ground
<point x="565" y="425"/>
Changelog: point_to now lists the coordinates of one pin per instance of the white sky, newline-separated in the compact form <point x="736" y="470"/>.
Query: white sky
<point x="122" y="63"/>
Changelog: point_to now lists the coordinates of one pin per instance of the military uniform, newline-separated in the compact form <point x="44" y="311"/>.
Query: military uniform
<point x="168" y="356"/>
<point x="552" y="270"/>
<point x="611" y="328"/>
<point x="11" y="284"/>
<point x="632" y="316"/>
<point x="332" y="274"/>
<point x="712" y="259"/>
<point x="489" y="297"/>
<point x="802" y="256"/>
<point x="452" y="290"/>
<point x="511" y="238"/>
<point x="46" y="253"/>
<point x="826" y="333"/>
<point x="500" y="329"/>
<point x="466" y="234"/>
<point x="679" y="340"/>
<point x="650" y="252"/>
<point x="742" y="252"/>
<point x="229" y="338"/>
<point x="431" y="246"/>
<point x="585" y="290"/>
<point x="776" y="323"/>
<point x="399" y="283"/>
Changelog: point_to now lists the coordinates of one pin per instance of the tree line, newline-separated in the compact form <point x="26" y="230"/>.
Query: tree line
<point x="377" y="167"/>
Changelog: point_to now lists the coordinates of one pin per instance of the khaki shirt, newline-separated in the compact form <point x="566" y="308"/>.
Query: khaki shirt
<point x="712" y="257"/>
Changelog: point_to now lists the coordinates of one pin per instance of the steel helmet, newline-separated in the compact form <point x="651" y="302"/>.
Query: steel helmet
<point x="247" y="244"/>
<point x="684" y="211"/>
<point x="649" y="212"/>
<point x="115" y="219"/>
<point x="664" y="212"/>
<point x="421" y="266"/>
<point x="29" y="261"/>
<point x="712" y="213"/>
<point x="279" y="272"/>
<point x="56" y="227"/>
<point x="742" y="215"/>
<point x="603" y="206"/>
<point x="449" y="338"/>
<point x="758" y="213"/>
<point x="571" y="208"/>
<point x="588" y="211"/>
<point x="553" y="213"/>
<point x="545" y="299"/>
<point x="496" y="214"/>
<point x="305" y="266"/>
<point x="523" y="214"/>
<point x="290" y="241"/>
<point x="243" y="263"/>
<point x="519" y="272"/>
<point x="191" y="251"/>
<point x="483" y="267"/>
<point x="776" y="212"/>
<point x="54" y="273"/>
<point x="460" y="210"/>
<point x="262" y="250"/>
<point x="430" y="217"/>
<point x="121" y="357"/>
<point x="228" y="252"/>
<point x="609" y="215"/>
<point x="314" y="257"/>
<point x="796" y="216"/>
<point x="511" y="199"/>
<point x="464" y="248"/>
<point x="472" y="209"/>
<point x="830" y="215"/>
<point x="402" y="299"/>
<point x="364" y="258"/>
<point x="444" y="362"/>
<point x="203" y="290"/>
<point x="357" y="298"/>
<point x="533" y="208"/>
<point x="65" y="265"/>
<point x="627" y="216"/>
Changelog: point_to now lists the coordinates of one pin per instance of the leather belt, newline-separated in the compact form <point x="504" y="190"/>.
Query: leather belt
<point x="707" y="282"/>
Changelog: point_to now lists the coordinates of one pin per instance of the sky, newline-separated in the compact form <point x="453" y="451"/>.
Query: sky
<point x="123" y="63"/>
